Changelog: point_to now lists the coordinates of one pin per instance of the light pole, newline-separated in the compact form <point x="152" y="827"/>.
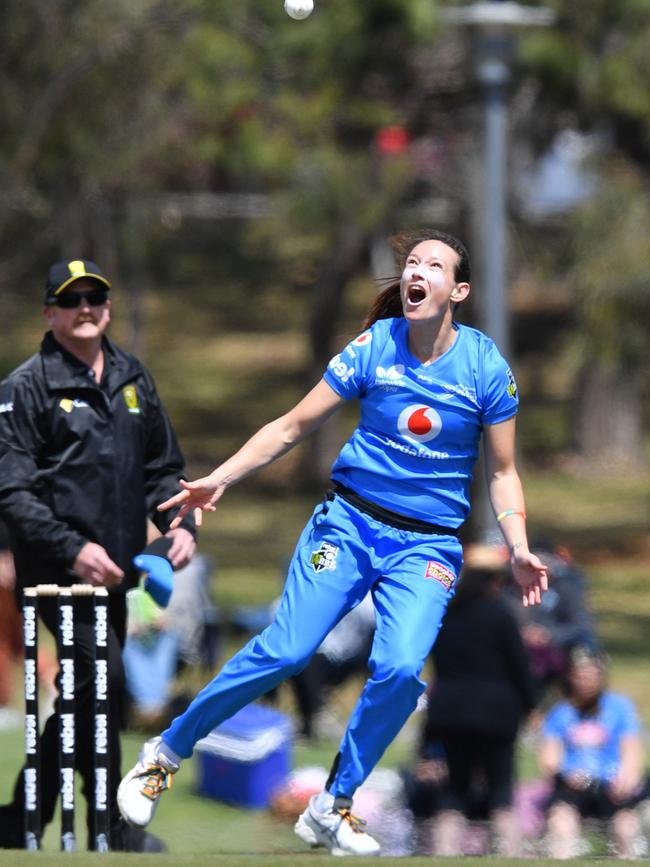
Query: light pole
<point x="495" y="23"/>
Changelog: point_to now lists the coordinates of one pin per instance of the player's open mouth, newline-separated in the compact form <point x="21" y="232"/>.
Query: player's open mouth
<point x="415" y="295"/>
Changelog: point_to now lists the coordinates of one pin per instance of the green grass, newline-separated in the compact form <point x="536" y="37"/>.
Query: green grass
<point x="293" y="859"/>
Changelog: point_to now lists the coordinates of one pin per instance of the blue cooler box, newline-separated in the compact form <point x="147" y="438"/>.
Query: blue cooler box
<point x="243" y="760"/>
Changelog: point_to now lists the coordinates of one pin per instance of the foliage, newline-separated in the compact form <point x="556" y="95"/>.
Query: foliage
<point x="611" y="267"/>
<point x="226" y="150"/>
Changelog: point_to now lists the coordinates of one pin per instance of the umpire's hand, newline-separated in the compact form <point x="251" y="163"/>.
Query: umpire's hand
<point x="93" y="565"/>
<point x="182" y="548"/>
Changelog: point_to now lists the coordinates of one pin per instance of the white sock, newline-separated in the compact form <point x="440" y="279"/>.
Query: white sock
<point x="168" y="757"/>
<point x="324" y="801"/>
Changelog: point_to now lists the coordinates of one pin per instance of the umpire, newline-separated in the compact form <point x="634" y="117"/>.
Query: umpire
<point x="86" y="453"/>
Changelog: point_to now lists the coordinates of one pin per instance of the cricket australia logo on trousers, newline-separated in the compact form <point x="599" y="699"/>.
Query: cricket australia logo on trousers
<point x="324" y="558"/>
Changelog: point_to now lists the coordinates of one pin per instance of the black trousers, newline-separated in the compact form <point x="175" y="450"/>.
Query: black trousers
<point x="84" y="644"/>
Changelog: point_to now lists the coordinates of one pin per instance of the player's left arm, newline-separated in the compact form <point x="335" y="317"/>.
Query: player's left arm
<point x="507" y="499"/>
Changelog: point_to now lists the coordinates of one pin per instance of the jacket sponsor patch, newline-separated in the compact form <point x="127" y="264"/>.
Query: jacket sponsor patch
<point x="324" y="558"/>
<point x="67" y="404"/>
<point x="131" y="399"/>
<point x="440" y="573"/>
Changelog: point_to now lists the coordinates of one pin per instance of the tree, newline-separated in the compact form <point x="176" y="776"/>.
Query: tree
<point x="611" y="275"/>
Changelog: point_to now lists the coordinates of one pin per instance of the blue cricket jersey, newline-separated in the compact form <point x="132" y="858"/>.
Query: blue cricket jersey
<point x="593" y="743"/>
<point x="417" y="440"/>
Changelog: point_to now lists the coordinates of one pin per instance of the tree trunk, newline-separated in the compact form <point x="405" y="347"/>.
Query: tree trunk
<point x="609" y="425"/>
<point x="348" y="251"/>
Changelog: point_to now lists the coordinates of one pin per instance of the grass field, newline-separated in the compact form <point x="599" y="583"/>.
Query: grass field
<point x="22" y="859"/>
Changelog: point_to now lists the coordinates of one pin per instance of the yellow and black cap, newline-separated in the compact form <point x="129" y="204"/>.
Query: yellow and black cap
<point x="62" y="274"/>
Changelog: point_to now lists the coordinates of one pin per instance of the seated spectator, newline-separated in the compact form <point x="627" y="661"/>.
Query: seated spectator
<point x="162" y="640"/>
<point x="561" y="622"/>
<point x="194" y="615"/>
<point x="11" y="641"/>
<point x="344" y="652"/>
<point x="150" y="658"/>
<point x="482" y="691"/>
<point x="593" y="751"/>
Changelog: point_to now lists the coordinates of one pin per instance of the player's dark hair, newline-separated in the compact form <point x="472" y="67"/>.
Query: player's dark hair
<point x="388" y="304"/>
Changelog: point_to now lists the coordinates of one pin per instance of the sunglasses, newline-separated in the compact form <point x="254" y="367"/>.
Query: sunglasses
<point x="70" y="300"/>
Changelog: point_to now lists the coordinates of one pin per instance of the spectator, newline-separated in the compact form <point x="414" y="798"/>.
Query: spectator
<point x="482" y="691"/>
<point x="194" y="614"/>
<point x="150" y="658"/>
<point x="562" y="620"/>
<point x="11" y="642"/>
<point x="593" y="751"/>
<point x="86" y="453"/>
<point x="344" y="652"/>
<point x="160" y="641"/>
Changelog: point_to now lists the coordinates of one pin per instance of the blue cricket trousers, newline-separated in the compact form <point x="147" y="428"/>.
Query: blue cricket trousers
<point x="341" y="555"/>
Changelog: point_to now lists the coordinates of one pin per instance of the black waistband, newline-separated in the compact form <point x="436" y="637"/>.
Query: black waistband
<point x="386" y="516"/>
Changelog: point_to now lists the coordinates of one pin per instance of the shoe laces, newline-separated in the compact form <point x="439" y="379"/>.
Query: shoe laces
<point x="355" y="822"/>
<point x="157" y="779"/>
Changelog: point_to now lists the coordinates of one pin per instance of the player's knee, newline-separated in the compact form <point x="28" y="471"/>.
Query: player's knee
<point x="288" y="660"/>
<point x="402" y="673"/>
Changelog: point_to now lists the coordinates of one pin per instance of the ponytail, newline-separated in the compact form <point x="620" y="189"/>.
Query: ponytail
<point x="387" y="305"/>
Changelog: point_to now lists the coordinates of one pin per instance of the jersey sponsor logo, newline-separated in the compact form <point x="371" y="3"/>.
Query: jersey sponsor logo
<point x="131" y="399"/>
<point x="7" y="406"/>
<point x="392" y="374"/>
<point x="341" y="369"/>
<point x="441" y="573"/>
<point x="428" y="454"/>
<point x="67" y="404"/>
<point x="324" y="557"/>
<point x="362" y="339"/>
<point x="419" y="423"/>
<point x="461" y="390"/>
<point x="511" y="388"/>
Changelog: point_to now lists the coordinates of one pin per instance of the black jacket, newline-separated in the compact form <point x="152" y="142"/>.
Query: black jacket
<point x="483" y="683"/>
<point x="81" y="461"/>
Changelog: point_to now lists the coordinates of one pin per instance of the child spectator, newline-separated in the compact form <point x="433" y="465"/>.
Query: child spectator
<point x="593" y="751"/>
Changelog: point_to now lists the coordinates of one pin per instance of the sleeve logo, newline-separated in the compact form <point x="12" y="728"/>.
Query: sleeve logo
<point x="511" y="388"/>
<point x="341" y="369"/>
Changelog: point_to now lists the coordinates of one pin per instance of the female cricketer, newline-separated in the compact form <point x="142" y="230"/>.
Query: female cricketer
<point x="429" y="389"/>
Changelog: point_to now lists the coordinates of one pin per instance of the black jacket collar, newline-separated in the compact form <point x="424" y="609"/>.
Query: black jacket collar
<point x="63" y="370"/>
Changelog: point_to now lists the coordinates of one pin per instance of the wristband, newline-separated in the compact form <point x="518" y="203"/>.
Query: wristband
<point x="509" y="512"/>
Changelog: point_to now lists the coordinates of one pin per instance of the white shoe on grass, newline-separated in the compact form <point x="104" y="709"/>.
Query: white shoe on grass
<point x="338" y="830"/>
<point x="139" y="792"/>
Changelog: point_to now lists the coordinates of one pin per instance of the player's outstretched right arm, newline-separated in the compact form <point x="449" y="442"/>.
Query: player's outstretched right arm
<point x="271" y="442"/>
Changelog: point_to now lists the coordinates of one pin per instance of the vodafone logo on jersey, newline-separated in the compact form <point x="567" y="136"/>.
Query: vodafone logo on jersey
<point x="419" y="423"/>
<point x="362" y="339"/>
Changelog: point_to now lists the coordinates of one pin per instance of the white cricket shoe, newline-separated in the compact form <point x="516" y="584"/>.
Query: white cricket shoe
<point x="139" y="792"/>
<point x="338" y="830"/>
